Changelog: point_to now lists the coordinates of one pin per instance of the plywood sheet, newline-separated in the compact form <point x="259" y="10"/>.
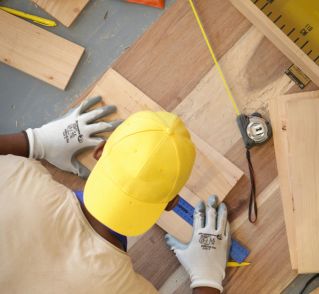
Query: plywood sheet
<point x="303" y="133"/>
<point x="36" y="51"/>
<point x="279" y="126"/>
<point x="65" y="11"/>
<point x="168" y="61"/>
<point x="208" y="111"/>
<point x="212" y="172"/>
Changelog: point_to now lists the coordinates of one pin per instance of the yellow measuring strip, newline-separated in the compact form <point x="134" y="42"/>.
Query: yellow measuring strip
<point x="229" y="93"/>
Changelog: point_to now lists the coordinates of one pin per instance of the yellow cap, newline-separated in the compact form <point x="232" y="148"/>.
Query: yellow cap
<point x="145" y="163"/>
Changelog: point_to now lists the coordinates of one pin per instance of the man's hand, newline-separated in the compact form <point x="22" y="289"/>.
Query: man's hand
<point x="205" y="257"/>
<point x="60" y="141"/>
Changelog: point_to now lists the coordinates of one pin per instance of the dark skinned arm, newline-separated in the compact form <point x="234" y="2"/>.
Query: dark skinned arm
<point x="205" y="290"/>
<point x="15" y="144"/>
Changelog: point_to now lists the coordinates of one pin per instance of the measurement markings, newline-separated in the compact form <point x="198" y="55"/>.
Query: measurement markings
<point x="304" y="45"/>
<point x="279" y="17"/>
<point x="262" y="8"/>
<point x="309" y="52"/>
<point x="296" y="40"/>
<point x="256" y="1"/>
<point x="316" y="59"/>
<point x="282" y="27"/>
<point x="269" y="14"/>
<point x="291" y="32"/>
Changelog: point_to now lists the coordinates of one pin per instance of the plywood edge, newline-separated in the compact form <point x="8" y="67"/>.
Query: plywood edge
<point x="306" y="241"/>
<point x="279" y="39"/>
<point x="281" y="153"/>
<point x="67" y="22"/>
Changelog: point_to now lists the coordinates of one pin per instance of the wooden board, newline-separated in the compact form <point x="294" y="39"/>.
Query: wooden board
<point x="279" y="126"/>
<point x="279" y="38"/>
<point x="36" y="51"/>
<point x="153" y="65"/>
<point x="65" y="11"/>
<point x="303" y="129"/>
<point x="212" y="173"/>
<point x="208" y="111"/>
<point x="168" y="61"/>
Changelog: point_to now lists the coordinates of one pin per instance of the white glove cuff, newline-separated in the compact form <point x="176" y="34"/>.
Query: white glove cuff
<point x="36" y="149"/>
<point x="205" y="283"/>
<point x="31" y="142"/>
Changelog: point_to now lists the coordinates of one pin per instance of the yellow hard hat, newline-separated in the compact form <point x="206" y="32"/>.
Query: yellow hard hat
<point x="145" y="163"/>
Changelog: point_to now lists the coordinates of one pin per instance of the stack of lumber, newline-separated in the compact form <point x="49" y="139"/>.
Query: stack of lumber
<point x="296" y="126"/>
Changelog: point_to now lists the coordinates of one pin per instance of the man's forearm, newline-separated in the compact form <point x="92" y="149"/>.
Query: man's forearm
<point x="16" y="144"/>
<point x="205" y="290"/>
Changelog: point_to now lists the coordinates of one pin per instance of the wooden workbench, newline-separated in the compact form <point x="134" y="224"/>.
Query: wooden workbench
<point x="170" y="63"/>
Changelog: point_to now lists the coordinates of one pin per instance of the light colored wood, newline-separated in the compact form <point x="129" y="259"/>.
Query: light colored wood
<point x="36" y="51"/>
<point x="65" y="11"/>
<point x="207" y="110"/>
<point x="303" y="133"/>
<point x="278" y="114"/>
<point x="279" y="39"/>
<point x="212" y="173"/>
<point x="168" y="61"/>
<point x="269" y="272"/>
<point x="279" y="126"/>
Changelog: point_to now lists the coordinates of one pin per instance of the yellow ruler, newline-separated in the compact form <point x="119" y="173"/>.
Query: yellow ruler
<point x="298" y="19"/>
<point x="292" y="26"/>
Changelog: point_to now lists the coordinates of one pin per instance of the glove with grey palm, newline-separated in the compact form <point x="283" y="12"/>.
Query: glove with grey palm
<point x="60" y="141"/>
<point x="205" y="257"/>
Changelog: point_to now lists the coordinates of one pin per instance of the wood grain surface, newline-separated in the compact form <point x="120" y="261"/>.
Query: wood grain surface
<point x="168" y="61"/>
<point x="303" y="129"/>
<point x="65" y="11"/>
<point x="279" y="125"/>
<point x="211" y="172"/>
<point x="36" y="51"/>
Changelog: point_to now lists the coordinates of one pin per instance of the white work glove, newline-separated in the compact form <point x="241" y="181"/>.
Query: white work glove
<point x="205" y="257"/>
<point x="60" y="141"/>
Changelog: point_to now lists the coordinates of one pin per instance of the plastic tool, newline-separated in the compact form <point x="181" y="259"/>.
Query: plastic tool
<point x="34" y="18"/>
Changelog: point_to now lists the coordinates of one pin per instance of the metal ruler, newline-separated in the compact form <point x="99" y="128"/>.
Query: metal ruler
<point x="298" y="19"/>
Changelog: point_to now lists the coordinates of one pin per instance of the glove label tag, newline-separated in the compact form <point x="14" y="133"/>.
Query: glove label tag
<point x="72" y="131"/>
<point x="208" y="241"/>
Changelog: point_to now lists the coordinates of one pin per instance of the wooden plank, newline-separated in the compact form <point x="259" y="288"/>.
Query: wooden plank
<point x="303" y="129"/>
<point x="279" y="38"/>
<point x="212" y="173"/>
<point x="36" y="51"/>
<point x="167" y="62"/>
<point x="279" y="126"/>
<point x="64" y="11"/>
<point x="207" y="110"/>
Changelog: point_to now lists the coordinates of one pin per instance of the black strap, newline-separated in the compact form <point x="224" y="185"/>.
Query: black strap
<point x="252" y="208"/>
<point x="308" y="283"/>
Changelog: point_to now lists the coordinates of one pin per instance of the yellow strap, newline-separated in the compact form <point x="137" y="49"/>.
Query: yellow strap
<point x="230" y="95"/>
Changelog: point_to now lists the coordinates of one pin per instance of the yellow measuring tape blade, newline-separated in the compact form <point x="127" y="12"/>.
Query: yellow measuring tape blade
<point x="298" y="19"/>
<point x="229" y="93"/>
